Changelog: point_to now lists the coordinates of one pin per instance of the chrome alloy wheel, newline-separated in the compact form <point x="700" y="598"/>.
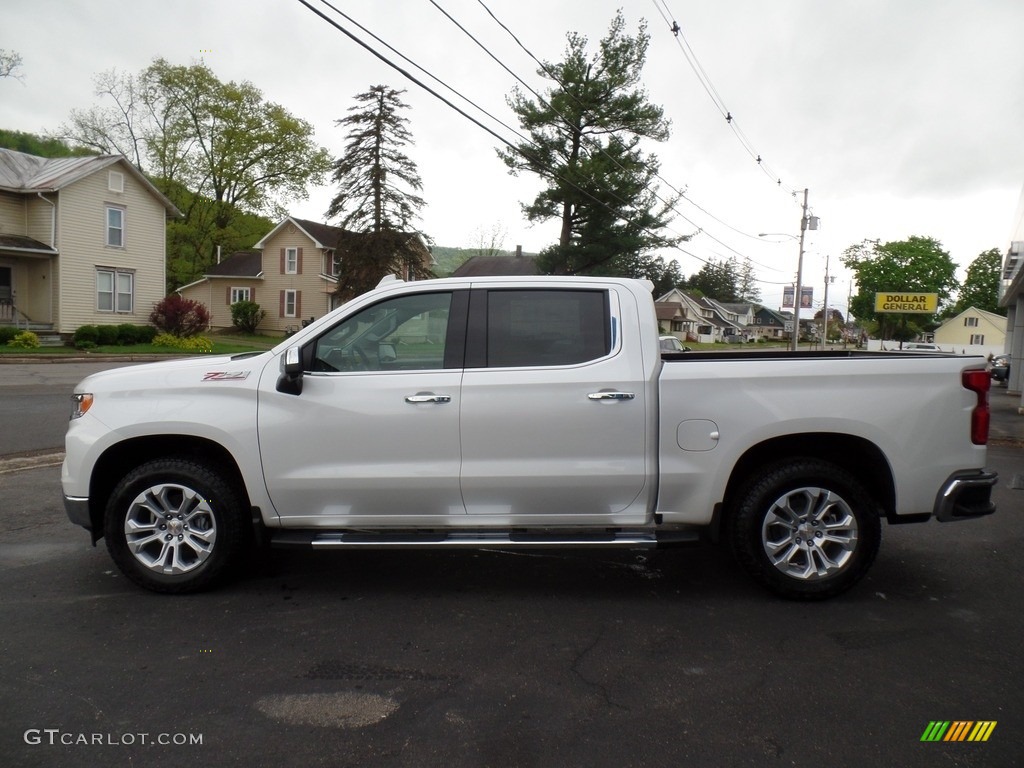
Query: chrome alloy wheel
<point x="170" y="529"/>
<point x="809" y="533"/>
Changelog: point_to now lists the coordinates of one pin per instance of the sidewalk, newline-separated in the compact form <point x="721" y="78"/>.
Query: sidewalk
<point x="1007" y="422"/>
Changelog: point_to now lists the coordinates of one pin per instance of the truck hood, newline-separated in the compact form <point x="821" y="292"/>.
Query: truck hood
<point x="182" y="373"/>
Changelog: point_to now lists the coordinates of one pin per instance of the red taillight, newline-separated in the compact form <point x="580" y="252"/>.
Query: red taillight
<point x="979" y="383"/>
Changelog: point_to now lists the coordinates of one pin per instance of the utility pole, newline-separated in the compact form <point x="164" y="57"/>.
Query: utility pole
<point x="806" y="222"/>
<point x="824" y="311"/>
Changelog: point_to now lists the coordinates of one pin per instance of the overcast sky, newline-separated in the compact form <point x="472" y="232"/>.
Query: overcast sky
<point x="902" y="117"/>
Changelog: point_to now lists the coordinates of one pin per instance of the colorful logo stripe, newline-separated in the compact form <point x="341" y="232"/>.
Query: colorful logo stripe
<point x="958" y="730"/>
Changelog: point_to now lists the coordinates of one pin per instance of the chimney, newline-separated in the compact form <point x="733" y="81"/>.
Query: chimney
<point x="519" y="251"/>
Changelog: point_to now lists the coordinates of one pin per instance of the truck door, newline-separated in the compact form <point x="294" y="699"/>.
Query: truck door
<point x="373" y="436"/>
<point x="554" y="413"/>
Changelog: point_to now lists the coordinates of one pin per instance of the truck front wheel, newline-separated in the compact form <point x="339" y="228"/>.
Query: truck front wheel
<point x="173" y="525"/>
<point x="806" y="529"/>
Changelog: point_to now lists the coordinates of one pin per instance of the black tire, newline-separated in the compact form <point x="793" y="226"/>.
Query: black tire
<point x="806" y="529"/>
<point x="175" y="526"/>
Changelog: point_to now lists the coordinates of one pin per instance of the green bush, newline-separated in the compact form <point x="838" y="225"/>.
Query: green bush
<point x="106" y="335"/>
<point x="247" y="315"/>
<point x="127" y="334"/>
<point x="7" y="332"/>
<point x="186" y="343"/>
<point x="24" y="340"/>
<point x="145" y="334"/>
<point x="86" y="334"/>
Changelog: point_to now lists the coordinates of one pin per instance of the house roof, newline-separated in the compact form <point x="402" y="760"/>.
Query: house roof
<point x="482" y="266"/>
<point x="20" y="243"/>
<point x="238" y="264"/>
<point x="327" y="236"/>
<point x="21" y="172"/>
<point x="668" y="310"/>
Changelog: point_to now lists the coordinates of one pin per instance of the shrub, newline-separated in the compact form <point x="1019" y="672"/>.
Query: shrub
<point x="7" y="332"/>
<point x="24" y="340"/>
<point x="179" y="316"/>
<point x="127" y="334"/>
<point x="106" y="335"/>
<point x="86" y="335"/>
<point x="247" y="315"/>
<point x="188" y="344"/>
<point x="144" y="334"/>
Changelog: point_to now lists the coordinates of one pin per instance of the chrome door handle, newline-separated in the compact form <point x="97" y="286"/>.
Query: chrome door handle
<point x="611" y="396"/>
<point x="427" y="398"/>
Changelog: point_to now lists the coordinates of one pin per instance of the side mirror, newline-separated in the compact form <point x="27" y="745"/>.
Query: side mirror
<point x="290" y="380"/>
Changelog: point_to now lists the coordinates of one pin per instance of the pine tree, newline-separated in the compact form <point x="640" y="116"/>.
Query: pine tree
<point x="377" y="196"/>
<point x="584" y="141"/>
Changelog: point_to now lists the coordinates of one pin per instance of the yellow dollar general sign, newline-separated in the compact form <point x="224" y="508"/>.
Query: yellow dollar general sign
<point x="958" y="730"/>
<point x="925" y="303"/>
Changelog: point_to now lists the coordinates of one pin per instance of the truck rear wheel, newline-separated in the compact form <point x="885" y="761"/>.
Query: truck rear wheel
<point x="173" y="525"/>
<point x="806" y="529"/>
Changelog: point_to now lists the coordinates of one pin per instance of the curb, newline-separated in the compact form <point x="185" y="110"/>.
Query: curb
<point x="31" y="460"/>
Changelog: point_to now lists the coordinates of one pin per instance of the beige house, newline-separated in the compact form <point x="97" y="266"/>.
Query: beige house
<point x="291" y="273"/>
<point x="973" y="329"/>
<point x="82" y="242"/>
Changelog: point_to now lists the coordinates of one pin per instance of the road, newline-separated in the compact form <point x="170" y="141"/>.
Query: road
<point x="494" y="658"/>
<point x="34" y="403"/>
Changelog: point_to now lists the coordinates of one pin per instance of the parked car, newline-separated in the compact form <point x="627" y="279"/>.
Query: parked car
<point x="999" y="368"/>
<point x="671" y="344"/>
<point x="920" y="346"/>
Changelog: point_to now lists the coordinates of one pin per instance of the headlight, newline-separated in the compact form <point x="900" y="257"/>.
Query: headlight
<point x="80" y="404"/>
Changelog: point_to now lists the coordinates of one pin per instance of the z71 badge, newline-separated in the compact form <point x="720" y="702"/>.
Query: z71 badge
<point x="226" y="376"/>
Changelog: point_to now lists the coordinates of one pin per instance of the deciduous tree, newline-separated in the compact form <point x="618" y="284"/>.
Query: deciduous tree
<point x="916" y="265"/>
<point x="981" y="287"/>
<point x="217" y="150"/>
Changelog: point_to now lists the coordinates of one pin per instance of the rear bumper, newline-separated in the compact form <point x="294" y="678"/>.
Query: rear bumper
<point x="965" y="495"/>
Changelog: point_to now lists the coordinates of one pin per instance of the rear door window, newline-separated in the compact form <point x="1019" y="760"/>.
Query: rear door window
<point x="546" y="327"/>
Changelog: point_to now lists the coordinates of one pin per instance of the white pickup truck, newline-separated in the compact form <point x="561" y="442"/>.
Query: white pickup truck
<point x="496" y="412"/>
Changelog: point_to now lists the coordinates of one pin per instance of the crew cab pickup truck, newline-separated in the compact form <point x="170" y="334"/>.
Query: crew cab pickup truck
<point x="496" y="412"/>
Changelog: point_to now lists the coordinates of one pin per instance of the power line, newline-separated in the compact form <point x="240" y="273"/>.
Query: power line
<point x="705" y="81"/>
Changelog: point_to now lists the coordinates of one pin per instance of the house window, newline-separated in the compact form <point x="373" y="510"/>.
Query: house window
<point x="290" y="306"/>
<point x="971" y="322"/>
<point x="115" y="227"/>
<point x="241" y="294"/>
<point x="332" y="264"/>
<point x="977" y="338"/>
<point x="291" y="261"/>
<point x="115" y="181"/>
<point x="115" y="291"/>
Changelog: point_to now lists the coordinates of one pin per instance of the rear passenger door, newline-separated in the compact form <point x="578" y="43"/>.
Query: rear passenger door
<point x="553" y="416"/>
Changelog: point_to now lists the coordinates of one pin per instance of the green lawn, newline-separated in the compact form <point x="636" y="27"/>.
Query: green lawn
<point x="223" y="344"/>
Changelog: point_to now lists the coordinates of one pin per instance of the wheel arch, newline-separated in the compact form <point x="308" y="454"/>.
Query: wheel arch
<point x="121" y="458"/>
<point x="857" y="456"/>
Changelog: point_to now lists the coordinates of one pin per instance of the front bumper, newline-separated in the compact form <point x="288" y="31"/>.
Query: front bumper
<point x="965" y="495"/>
<point x="78" y="511"/>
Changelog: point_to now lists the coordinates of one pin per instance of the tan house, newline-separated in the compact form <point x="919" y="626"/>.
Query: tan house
<point x="973" y="329"/>
<point x="291" y="273"/>
<point x="82" y="242"/>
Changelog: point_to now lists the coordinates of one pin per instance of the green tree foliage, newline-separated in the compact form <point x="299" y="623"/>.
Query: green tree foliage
<point x="584" y="139"/>
<point x="718" y="280"/>
<point x="916" y="265"/>
<point x="746" y="283"/>
<point x="217" y="150"/>
<point x="981" y="287"/>
<point x="39" y="146"/>
<point x="247" y="315"/>
<point x="377" y="195"/>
